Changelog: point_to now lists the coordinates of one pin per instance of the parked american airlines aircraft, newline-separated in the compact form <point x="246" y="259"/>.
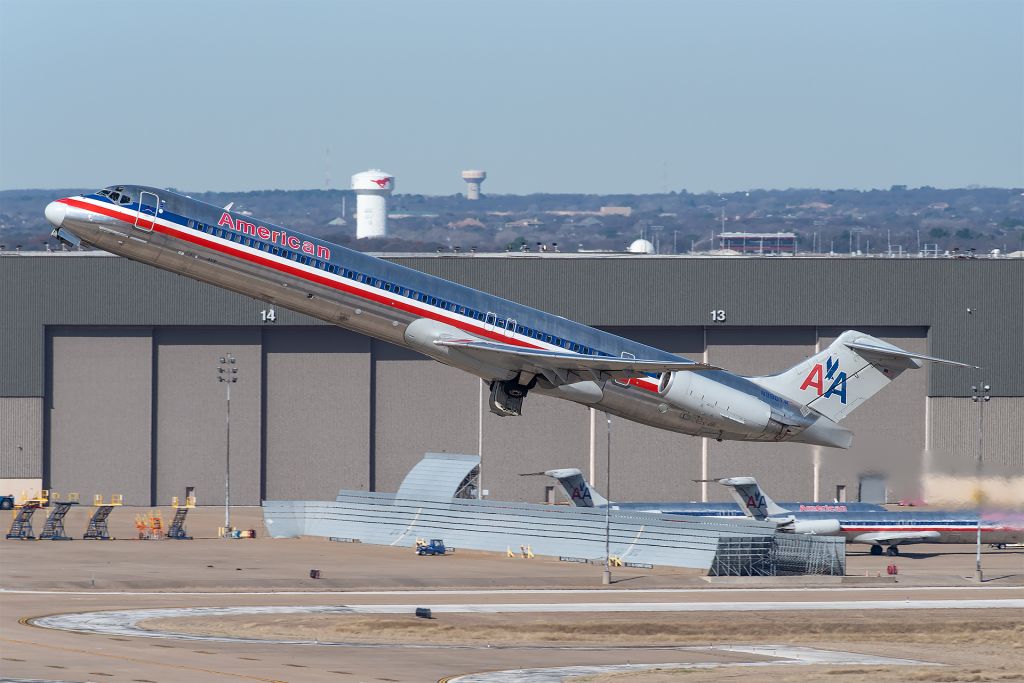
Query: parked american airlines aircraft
<point x="581" y="494"/>
<point x="884" y="528"/>
<point x="516" y="349"/>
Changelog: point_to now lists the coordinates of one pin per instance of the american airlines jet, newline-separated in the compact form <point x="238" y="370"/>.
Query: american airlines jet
<point x="516" y="349"/>
<point x="880" y="528"/>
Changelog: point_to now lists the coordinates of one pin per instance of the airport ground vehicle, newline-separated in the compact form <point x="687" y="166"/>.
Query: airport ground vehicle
<point x="434" y="547"/>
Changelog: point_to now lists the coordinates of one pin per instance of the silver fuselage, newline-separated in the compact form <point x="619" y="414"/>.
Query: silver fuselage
<point x="381" y="299"/>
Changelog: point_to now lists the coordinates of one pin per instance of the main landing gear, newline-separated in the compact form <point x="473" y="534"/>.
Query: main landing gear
<point x="507" y="396"/>
<point x="890" y="551"/>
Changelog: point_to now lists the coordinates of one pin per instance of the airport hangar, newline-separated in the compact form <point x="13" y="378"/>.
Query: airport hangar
<point x="108" y="379"/>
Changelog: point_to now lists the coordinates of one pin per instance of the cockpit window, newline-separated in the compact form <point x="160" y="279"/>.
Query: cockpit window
<point x="104" y="193"/>
<point x="115" y="196"/>
<point x="125" y="199"/>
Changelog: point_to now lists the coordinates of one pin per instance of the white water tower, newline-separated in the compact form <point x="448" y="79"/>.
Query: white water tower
<point x="372" y="189"/>
<point x="473" y="180"/>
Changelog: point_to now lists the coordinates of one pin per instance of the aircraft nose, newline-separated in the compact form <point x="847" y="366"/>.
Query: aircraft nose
<point x="55" y="212"/>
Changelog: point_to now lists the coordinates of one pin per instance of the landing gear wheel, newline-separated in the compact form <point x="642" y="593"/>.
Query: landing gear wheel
<point x="893" y="550"/>
<point x="876" y="550"/>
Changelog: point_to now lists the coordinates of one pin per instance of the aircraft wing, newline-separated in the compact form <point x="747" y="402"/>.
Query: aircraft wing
<point x="902" y="536"/>
<point x="560" y="367"/>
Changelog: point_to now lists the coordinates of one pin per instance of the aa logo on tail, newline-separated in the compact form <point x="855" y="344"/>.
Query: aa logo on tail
<point x="755" y="503"/>
<point x="819" y="376"/>
<point x="580" y="492"/>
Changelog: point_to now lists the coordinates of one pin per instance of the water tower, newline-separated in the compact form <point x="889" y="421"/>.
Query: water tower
<point x="372" y="189"/>
<point x="473" y="180"/>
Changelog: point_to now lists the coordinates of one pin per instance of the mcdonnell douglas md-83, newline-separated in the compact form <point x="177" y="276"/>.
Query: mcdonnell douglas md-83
<point x="516" y="349"/>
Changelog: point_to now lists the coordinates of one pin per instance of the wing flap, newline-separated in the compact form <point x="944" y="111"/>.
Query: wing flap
<point x="565" y="367"/>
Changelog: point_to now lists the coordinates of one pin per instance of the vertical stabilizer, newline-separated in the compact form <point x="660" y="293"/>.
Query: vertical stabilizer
<point x="850" y="371"/>
<point x="576" y="488"/>
<point x="752" y="500"/>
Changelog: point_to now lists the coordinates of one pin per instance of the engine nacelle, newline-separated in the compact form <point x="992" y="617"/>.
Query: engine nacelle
<point x="821" y="527"/>
<point x="719" y="405"/>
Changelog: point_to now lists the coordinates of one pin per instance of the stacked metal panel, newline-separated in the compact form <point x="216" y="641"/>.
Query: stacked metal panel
<point x="386" y="519"/>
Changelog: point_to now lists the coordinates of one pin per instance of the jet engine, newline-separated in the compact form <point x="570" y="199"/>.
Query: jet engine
<point x="821" y="527"/>
<point x="723" y="407"/>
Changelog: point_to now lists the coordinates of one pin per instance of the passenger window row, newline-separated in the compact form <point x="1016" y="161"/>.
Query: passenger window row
<point x="239" y="238"/>
<point x="499" y="323"/>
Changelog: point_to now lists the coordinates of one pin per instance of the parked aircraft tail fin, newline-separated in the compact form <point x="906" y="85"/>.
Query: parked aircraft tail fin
<point x="575" y="487"/>
<point x="850" y="371"/>
<point x="751" y="499"/>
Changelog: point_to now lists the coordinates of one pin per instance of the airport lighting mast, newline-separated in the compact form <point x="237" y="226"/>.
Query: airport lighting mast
<point x="606" y="576"/>
<point x="980" y="395"/>
<point x="227" y="373"/>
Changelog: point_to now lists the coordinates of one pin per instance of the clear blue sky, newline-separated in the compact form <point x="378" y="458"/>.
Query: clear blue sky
<point x="547" y="96"/>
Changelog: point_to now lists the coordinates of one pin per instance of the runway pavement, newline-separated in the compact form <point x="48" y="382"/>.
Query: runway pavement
<point x="41" y="581"/>
<point x="784" y="656"/>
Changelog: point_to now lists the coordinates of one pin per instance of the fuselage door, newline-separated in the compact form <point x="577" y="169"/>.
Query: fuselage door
<point x="510" y="327"/>
<point x="149" y="207"/>
<point x="490" y="319"/>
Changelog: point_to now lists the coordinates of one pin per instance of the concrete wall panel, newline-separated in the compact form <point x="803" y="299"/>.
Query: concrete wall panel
<point x="100" y="412"/>
<point x="190" y="430"/>
<point x="21" y="438"/>
<point x="421" y="406"/>
<point x="317" y="412"/>
<point x="955" y="424"/>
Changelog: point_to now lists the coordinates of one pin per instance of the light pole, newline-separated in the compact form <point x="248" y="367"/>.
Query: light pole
<point x="980" y="395"/>
<point x="480" y="442"/>
<point x="228" y="374"/>
<point x="606" y="578"/>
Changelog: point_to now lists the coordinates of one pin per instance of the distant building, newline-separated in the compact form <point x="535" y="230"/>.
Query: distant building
<point x="641" y="247"/>
<point x="758" y="242"/>
<point x="616" y="211"/>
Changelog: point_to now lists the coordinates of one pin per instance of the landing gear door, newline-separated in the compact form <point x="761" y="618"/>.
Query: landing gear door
<point x="149" y="207"/>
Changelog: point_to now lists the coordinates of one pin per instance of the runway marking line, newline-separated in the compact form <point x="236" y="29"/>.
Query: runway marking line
<point x="522" y="591"/>
<point x="25" y="621"/>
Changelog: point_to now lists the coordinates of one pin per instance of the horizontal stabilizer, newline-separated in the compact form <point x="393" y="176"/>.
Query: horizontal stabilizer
<point x="891" y="353"/>
<point x="561" y="367"/>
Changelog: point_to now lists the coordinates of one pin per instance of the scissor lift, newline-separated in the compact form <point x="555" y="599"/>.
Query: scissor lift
<point x="177" y="528"/>
<point x="97" y="529"/>
<point x="53" y="530"/>
<point x="21" y="527"/>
